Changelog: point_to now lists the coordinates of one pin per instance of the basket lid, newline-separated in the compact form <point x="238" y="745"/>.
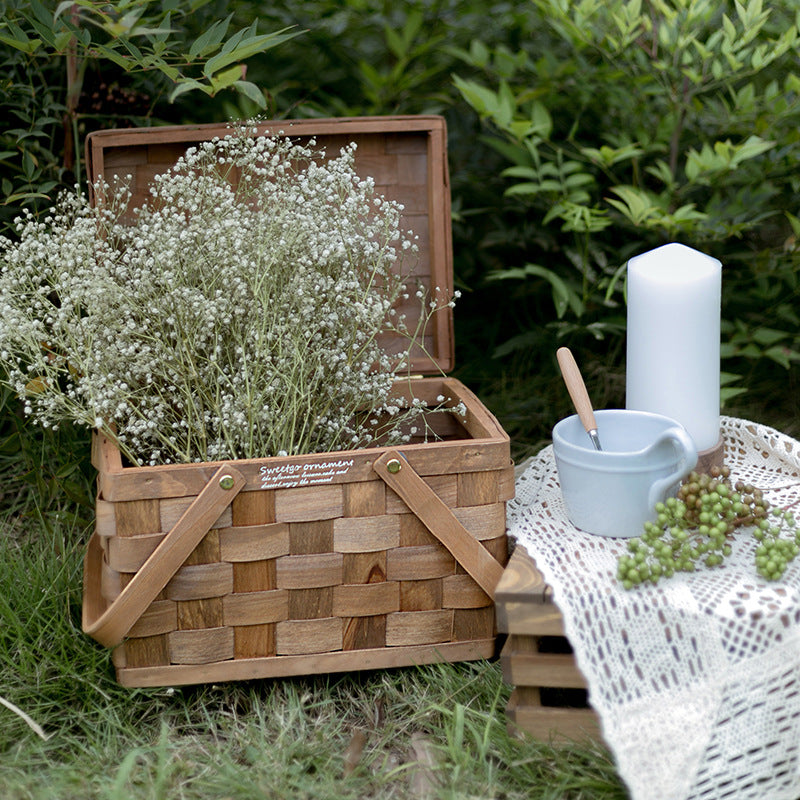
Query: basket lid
<point x="405" y="155"/>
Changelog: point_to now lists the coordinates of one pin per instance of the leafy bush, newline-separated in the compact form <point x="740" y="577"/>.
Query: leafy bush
<point x="623" y="127"/>
<point x="60" y="70"/>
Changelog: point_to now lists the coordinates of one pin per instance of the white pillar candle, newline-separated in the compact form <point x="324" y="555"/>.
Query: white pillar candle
<point x="673" y="348"/>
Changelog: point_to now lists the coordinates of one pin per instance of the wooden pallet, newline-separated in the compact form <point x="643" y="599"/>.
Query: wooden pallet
<point x="549" y="696"/>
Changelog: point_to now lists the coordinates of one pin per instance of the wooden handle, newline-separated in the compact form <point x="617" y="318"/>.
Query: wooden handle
<point x="576" y="388"/>
<point x="440" y="520"/>
<point x="110" y="625"/>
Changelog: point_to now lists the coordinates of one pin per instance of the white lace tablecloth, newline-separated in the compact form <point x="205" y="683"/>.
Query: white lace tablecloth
<point x="696" y="680"/>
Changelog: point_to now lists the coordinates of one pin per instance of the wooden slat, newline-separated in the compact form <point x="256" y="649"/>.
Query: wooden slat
<point x="418" y="627"/>
<point x="483" y="522"/>
<point x="421" y="595"/>
<point x="186" y="480"/>
<point x="201" y="646"/>
<point x="253" y="508"/>
<point x="531" y="619"/>
<point x="314" y="603"/>
<point x="313" y="503"/>
<point x="365" y="499"/>
<point x="460" y="591"/>
<point x="445" y="487"/>
<point x="173" y="508"/>
<point x="419" y="563"/>
<point x="309" y="571"/>
<point x="254" y="542"/>
<point x="255" y="608"/>
<point x="549" y="723"/>
<point x="160" y="617"/>
<point x="364" y="632"/>
<point x="366" y="599"/>
<point x="542" y="669"/>
<point x="313" y="664"/>
<point x="202" y="580"/>
<point x="521" y="582"/>
<point x="311" y="537"/>
<point x="366" y="534"/>
<point x="147" y="651"/>
<point x="298" y="637"/>
<point x="205" y="612"/>
<point x="364" y="567"/>
<point x="473" y="623"/>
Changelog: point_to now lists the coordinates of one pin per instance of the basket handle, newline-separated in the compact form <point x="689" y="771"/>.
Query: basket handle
<point x="109" y="625"/>
<point x="400" y="476"/>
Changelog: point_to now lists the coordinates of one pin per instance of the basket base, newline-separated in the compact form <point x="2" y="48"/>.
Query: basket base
<point x="288" y="666"/>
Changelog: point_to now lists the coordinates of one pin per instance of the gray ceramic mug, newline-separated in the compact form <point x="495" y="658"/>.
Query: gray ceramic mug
<point x="613" y="491"/>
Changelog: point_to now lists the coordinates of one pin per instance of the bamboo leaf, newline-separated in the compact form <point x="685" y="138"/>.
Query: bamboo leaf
<point x="247" y="48"/>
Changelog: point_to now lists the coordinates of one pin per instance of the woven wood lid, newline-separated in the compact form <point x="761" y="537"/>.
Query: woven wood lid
<point x="406" y="156"/>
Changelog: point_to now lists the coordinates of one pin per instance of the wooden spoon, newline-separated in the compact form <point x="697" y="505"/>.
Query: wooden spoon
<point x="577" y="391"/>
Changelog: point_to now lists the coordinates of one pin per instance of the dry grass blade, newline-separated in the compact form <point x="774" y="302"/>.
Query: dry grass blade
<point x="37" y="729"/>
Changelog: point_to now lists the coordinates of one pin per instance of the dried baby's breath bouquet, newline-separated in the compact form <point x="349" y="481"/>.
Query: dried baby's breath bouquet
<point x="236" y="314"/>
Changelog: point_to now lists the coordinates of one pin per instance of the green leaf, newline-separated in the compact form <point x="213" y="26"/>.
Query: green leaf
<point x="248" y="47"/>
<point x="188" y="85"/>
<point x="211" y="38"/>
<point x="564" y="297"/>
<point x="222" y="80"/>
<point x="251" y="92"/>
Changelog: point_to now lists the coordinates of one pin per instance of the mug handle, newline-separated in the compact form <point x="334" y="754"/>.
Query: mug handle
<point x="685" y="446"/>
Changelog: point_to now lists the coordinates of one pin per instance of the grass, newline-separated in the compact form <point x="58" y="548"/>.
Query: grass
<point x="432" y="732"/>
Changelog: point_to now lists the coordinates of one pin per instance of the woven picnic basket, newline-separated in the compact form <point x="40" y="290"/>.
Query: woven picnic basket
<point x="350" y="560"/>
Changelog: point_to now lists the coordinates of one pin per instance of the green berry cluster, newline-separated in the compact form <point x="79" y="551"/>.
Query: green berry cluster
<point x="696" y="527"/>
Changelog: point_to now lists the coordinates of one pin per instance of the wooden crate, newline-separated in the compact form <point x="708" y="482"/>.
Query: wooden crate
<point x="330" y="562"/>
<point x="548" y="700"/>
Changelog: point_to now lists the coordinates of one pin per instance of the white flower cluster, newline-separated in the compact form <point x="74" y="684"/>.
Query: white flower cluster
<point x="235" y="315"/>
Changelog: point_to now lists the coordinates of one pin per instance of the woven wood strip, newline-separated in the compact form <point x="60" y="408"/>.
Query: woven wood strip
<point x="147" y="651"/>
<point x="309" y="571"/>
<point x="418" y="627"/>
<point x="160" y="617"/>
<point x="418" y="563"/>
<point x="205" y="612"/>
<point x="201" y="580"/>
<point x="135" y="517"/>
<point x="477" y="488"/>
<point x="305" y="504"/>
<point x="316" y="603"/>
<point x="473" y="623"/>
<point x="254" y="542"/>
<point x="173" y="508"/>
<point x="311" y="536"/>
<point x="256" y="608"/>
<point x="444" y="486"/>
<point x="366" y="534"/>
<point x="254" y="641"/>
<point x="365" y="499"/>
<point x="483" y="522"/>
<point x="366" y="599"/>
<point x="128" y="553"/>
<point x="297" y="637"/>
<point x="461" y="591"/>
<point x="200" y="646"/>
<point x="110" y="582"/>
<point x="105" y="517"/>
<point x="421" y="595"/>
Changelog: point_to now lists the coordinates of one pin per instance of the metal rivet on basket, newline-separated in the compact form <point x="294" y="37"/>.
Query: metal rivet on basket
<point x="393" y="466"/>
<point x="226" y="482"/>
